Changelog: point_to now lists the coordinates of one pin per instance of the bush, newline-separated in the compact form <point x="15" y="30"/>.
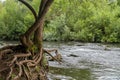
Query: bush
<point x="78" y="20"/>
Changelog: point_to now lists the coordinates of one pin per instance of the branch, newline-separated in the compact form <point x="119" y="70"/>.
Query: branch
<point x="38" y="36"/>
<point x="48" y="52"/>
<point x="29" y="7"/>
<point x="41" y="7"/>
<point x="36" y="24"/>
<point x="26" y="36"/>
<point x="46" y="7"/>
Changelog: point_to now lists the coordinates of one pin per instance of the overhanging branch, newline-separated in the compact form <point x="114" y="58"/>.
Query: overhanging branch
<point x="36" y="24"/>
<point x="41" y="7"/>
<point x="29" y="7"/>
<point x="45" y="7"/>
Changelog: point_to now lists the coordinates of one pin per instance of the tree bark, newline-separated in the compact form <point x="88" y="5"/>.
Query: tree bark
<point x="25" y="38"/>
<point x="30" y="8"/>
<point x="37" y="29"/>
<point x="24" y="58"/>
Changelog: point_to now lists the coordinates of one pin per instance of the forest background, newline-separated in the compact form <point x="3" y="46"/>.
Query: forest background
<point x="67" y="20"/>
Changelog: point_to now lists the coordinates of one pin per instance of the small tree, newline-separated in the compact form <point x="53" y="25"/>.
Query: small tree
<point x="27" y="60"/>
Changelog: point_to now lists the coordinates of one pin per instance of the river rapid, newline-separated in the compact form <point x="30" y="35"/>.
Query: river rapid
<point x="84" y="61"/>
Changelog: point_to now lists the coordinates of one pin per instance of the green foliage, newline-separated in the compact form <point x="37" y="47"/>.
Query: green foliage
<point x="14" y="20"/>
<point x="85" y="20"/>
<point x="78" y="20"/>
<point x="1" y="79"/>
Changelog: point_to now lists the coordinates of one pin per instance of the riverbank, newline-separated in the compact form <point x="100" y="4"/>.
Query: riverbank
<point x="84" y="61"/>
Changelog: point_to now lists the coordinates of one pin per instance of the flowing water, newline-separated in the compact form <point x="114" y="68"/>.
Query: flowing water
<point x="85" y="61"/>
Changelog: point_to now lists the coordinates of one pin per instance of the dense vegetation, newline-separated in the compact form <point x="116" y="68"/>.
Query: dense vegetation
<point x="76" y="20"/>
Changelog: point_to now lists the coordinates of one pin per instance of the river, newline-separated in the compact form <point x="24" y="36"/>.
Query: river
<point x="84" y="61"/>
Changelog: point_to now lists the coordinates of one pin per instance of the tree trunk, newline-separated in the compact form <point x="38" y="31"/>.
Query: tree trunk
<point x="26" y="61"/>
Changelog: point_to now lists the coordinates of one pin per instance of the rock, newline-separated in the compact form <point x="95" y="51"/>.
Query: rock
<point x="106" y="49"/>
<point x="73" y="55"/>
<point x="80" y="45"/>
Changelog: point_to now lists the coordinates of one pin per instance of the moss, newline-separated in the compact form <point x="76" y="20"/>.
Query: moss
<point x="1" y="79"/>
<point x="37" y="68"/>
<point x="13" y="75"/>
<point x="45" y="62"/>
<point x="32" y="48"/>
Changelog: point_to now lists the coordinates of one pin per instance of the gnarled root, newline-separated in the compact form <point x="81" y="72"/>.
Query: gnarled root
<point x="22" y="64"/>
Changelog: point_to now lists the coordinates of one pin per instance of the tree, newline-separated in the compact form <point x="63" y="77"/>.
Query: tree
<point x="27" y="60"/>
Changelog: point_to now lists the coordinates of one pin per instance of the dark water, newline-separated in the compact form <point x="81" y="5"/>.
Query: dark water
<point x="71" y="74"/>
<point x="85" y="61"/>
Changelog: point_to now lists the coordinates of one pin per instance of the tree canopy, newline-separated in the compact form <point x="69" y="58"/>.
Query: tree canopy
<point x="76" y="20"/>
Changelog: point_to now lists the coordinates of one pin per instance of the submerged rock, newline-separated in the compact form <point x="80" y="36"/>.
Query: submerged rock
<point x="80" y="44"/>
<point x="73" y="55"/>
<point x="107" y="49"/>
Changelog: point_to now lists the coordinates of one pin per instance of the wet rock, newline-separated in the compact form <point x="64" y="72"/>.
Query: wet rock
<point x="107" y="49"/>
<point x="73" y="55"/>
<point x="79" y="44"/>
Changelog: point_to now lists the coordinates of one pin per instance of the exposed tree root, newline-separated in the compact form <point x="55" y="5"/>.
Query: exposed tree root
<point x="21" y="63"/>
